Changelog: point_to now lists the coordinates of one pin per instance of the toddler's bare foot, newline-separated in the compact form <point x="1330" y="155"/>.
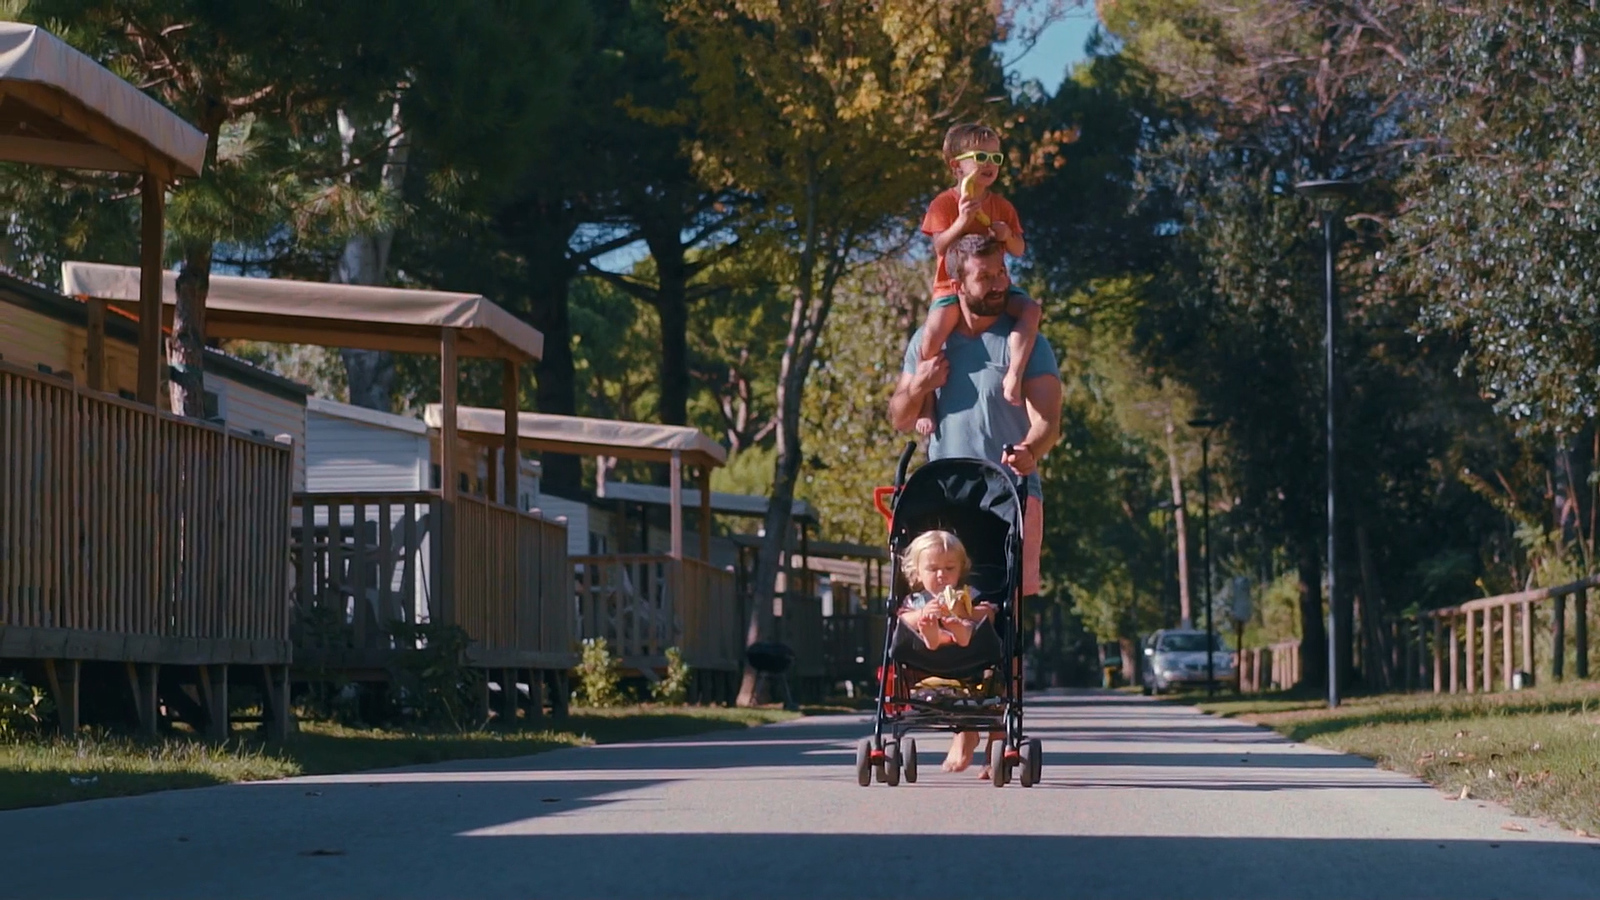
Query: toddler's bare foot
<point x="924" y="426"/>
<point x="1012" y="385"/>
<point x="985" y="775"/>
<point x="933" y="637"/>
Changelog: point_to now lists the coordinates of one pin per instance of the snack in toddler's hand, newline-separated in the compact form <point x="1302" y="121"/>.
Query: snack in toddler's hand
<point x="957" y="601"/>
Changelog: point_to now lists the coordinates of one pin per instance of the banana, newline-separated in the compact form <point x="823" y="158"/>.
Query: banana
<point x="969" y="189"/>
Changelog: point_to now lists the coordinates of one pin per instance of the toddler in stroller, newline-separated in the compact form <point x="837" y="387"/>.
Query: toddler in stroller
<point x="955" y="531"/>
<point x="939" y="610"/>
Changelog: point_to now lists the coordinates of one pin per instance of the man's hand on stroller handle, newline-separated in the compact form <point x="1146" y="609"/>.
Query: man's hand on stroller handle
<point x="1019" y="458"/>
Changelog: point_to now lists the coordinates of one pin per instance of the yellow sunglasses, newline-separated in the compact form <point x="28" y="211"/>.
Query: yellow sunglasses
<point x="983" y="156"/>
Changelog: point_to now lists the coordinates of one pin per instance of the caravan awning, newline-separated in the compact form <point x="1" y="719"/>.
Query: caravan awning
<point x="331" y="315"/>
<point x="60" y="108"/>
<point x="581" y="436"/>
<point x="721" y="503"/>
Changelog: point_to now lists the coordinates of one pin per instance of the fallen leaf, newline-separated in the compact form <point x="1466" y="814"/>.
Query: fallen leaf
<point x="1582" y="833"/>
<point x="1464" y="793"/>
<point x="321" y="852"/>
<point x="1512" y="826"/>
<point x="313" y="793"/>
<point x="1461" y="734"/>
<point x="551" y="800"/>
<point x="1536" y="747"/>
<point x="183" y="840"/>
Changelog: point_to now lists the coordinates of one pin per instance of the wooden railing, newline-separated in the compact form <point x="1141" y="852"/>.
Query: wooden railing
<point x="852" y="645"/>
<point x="800" y="627"/>
<point x="368" y="564"/>
<point x="513" y="583"/>
<point x="1269" y="668"/>
<point x="643" y="604"/>
<point x="130" y="534"/>
<point x="1453" y="649"/>
<point x="713" y="619"/>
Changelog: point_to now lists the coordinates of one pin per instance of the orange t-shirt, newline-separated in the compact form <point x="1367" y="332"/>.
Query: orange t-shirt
<point x="942" y="213"/>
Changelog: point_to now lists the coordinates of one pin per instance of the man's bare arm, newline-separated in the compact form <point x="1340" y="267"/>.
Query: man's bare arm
<point x="914" y="387"/>
<point x="1042" y="394"/>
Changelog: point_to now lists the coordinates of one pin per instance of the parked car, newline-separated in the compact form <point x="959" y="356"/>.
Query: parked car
<point x="1174" y="657"/>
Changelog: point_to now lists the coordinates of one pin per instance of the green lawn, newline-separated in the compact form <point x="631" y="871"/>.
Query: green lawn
<point x="1537" y="751"/>
<point x="44" y="771"/>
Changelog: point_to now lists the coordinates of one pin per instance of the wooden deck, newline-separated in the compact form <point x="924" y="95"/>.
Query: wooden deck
<point x="131" y="536"/>
<point x="643" y="604"/>
<point x="366" y="563"/>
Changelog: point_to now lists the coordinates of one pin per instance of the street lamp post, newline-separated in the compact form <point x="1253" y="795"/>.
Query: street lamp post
<point x="1205" y="540"/>
<point x="1328" y="191"/>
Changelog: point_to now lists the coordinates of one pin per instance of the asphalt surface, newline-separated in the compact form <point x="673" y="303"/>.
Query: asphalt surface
<point x="1141" y="799"/>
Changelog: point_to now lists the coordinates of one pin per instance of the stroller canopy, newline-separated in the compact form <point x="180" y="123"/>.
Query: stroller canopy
<point x="978" y="501"/>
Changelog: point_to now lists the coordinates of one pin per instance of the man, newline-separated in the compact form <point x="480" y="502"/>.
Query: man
<point x="972" y="417"/>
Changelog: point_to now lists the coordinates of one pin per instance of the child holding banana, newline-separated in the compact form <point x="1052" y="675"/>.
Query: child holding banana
<point x="973" y="154"/>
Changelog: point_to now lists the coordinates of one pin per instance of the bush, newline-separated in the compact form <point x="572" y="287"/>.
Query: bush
<point x="23" y="707"/>
<point x="438" y="689"/>
<point x="674" y="688"/>
<point x="599" y="675"/>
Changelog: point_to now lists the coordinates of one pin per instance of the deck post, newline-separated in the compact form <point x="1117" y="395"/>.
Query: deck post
<point x="1438" y="655"/>
<point x="508" y="698"/>
<point x="509" y="398"/>
<point x="445" y="586"/>
<point x="214" y="693"/>
<point x="1580" y="631"/>
<point x="150" y="245"/>
<point x="1527" y="639"/>
<point x="1455" y="655"/>
<point x="1470" y="650"/>
<point x="1507" y="663"/>
<point x="64" y="680"/>
<point x="705" y="512"/>
<point x="535" y="698"/>
<point x="142" y="678"/>
<point x="675" y="483"/>
<point x="1558" y="638"/>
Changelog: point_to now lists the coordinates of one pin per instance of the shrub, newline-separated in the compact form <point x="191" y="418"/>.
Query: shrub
<point x="23" y="707"/>
<point x="599" y="675"/>
<point x="437" y="686"/>
<point x="674" y="687"/>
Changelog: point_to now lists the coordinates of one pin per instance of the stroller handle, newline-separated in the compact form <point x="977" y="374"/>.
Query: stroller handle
<point x="905" y="463"/>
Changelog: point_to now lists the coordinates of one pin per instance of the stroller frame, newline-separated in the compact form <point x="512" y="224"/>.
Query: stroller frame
<point x="890" y="751"/>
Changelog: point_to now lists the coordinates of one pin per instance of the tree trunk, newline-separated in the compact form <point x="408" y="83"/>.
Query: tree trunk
<point x="1313" y="634"/>
<point x="1180" y="526"/>
<point x="556" y="390"/>
<point x="1373" y="613"/>
<point x="186" y="351"/>
<point x="786" y="471"/>
<point x="370" y="373"/>
<point x="672" y="306"/>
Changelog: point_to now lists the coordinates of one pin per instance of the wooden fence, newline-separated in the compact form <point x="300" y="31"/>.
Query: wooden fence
<point x="853" y="645"/>
<point x="643" y="604"/>
<point x="1453" y="649"/>
<point x="1481" y="645"/>
<point x="131" y="535"/>
<point x="369" y="565"/>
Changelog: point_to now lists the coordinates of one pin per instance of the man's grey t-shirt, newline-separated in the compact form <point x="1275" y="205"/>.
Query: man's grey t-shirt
<point x="973" y="416"/>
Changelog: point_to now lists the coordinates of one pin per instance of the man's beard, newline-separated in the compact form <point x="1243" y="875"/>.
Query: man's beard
<point x="990" y="304"/>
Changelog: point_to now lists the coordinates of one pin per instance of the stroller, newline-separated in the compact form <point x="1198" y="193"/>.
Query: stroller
<point x="973" y="688"/>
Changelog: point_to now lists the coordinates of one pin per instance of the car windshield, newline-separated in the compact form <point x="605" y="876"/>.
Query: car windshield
<point x="1185" y="643"/>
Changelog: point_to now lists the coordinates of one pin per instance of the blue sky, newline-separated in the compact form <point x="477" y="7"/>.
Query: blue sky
<point x="1060" y="46"/>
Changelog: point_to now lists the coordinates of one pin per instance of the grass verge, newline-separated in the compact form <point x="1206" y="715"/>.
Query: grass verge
<point x="61" y="769"/>
<point x="1537" y="751"/>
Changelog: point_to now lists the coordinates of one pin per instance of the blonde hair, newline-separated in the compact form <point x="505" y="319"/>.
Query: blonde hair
<point x="942" y="541"/>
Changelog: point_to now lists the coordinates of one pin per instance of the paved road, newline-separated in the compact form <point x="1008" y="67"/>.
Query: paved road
<point x="1140" y="799"/>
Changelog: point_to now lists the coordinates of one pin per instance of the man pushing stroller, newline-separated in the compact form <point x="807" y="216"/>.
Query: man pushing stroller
<point x="967" y="383"/>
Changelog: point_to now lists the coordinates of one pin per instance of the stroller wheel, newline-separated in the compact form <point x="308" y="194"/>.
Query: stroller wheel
<point x="891" y="764"/>
<point x="1038" y="759"/>
<point x="1027" y="764"/>
<point x="864" y="762"/>
<point x="908" y="759"/>
<point x="997" y="763"/>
